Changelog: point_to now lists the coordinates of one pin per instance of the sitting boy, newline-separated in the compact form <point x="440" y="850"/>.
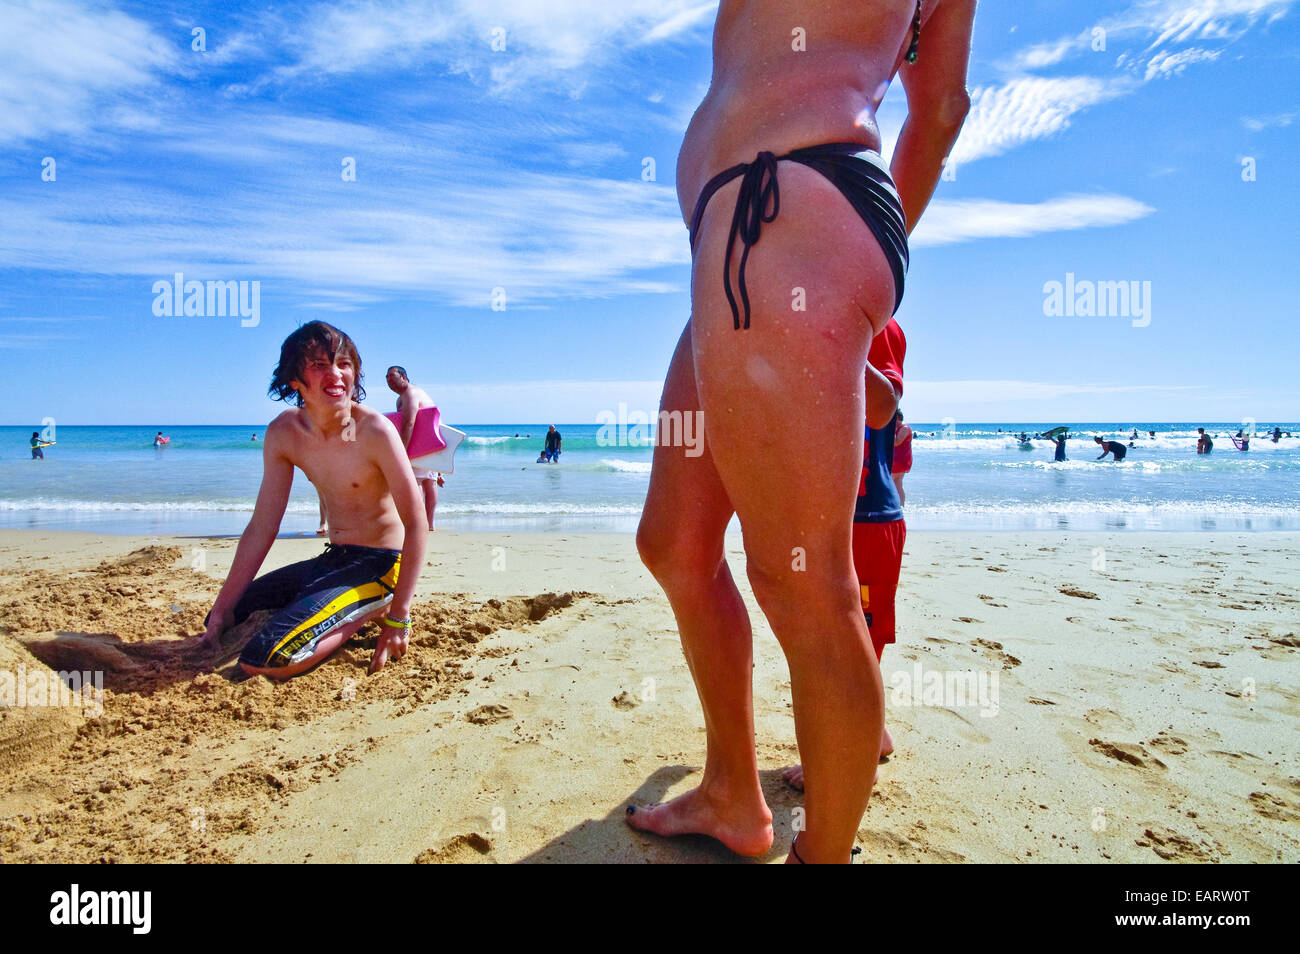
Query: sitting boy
<point x="354" y="457"/>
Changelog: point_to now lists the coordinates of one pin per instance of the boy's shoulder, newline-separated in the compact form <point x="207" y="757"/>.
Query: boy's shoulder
<point x="283" y="423"/>
<point x="368" y="416"/>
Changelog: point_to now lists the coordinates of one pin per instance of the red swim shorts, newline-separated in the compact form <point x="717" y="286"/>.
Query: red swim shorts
<point x="878" y="558"/>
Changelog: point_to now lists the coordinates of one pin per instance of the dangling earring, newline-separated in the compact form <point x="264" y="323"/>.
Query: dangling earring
<point x="916" y="34"/>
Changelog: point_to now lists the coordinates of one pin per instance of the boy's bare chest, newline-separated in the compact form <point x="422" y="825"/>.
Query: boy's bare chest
<point x="339" y="467"/>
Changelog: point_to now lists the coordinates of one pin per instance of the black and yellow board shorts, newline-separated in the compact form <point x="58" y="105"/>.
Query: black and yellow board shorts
<point x="314" y="598"/>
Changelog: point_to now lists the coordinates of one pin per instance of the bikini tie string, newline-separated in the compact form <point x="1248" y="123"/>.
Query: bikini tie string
<point x="758" y="190"/>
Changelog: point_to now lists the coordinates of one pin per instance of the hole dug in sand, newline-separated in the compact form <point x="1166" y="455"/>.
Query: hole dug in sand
<point x="154" y="778"/>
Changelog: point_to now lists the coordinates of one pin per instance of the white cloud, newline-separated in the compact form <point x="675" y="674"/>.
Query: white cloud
<point x="60" y="61"/>
<point x="963" y="220"/>
<point x="1027" y="109"/>
<point x="541" y="39"/>
<point x="1183" y="21"/>
<point x="446" y="228"/>
<point x="1172" y="64"/>
<point x="1165" y="21"/>
<point x="1259" y="123"/>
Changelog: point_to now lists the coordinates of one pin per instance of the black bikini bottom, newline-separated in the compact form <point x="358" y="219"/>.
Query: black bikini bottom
<point x="858" y="172"/>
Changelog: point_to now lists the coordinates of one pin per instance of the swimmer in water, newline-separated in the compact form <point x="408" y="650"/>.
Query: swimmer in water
<point x="1111" y="447"/>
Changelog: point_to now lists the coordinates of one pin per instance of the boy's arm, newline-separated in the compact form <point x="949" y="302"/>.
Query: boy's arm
<point x="882" y="399"/>
<point x="390" y="457"/>
<point x="255" y="542"/>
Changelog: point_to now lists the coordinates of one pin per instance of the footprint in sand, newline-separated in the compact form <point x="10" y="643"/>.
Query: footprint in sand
<point x="1107" y="720"/>
<point x="1172" y="846"/>
<point x="995" y="649"/>
<point x="1130" y="753"/>
<point x="458" y="850"/>
<point x="1076" y="592"/>
<point x="625" y="700"/>
<point x="1274" y="807"/>
<point x="486" y="715"/>
<point x="1169" y="744"/>
<point x="991" y="602"/>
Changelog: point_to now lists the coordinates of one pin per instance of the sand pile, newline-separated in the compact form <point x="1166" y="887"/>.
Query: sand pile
<point x="30" y="733"/>
<point x="140" y="782"/>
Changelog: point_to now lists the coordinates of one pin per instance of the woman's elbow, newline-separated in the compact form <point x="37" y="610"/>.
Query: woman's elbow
<point x="947" y="113"/>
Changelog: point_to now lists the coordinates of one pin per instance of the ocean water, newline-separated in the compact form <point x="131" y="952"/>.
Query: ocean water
<point x="966" y="477"/>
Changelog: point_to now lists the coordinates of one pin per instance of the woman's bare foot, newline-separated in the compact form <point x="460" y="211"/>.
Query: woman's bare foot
<point x="794" y="774"/>
<point x="794" y="777"/>
<point x="746" y="832"/>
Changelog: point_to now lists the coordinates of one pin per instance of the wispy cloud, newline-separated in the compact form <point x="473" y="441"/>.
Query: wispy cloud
<point x="61" y="62"/>
<point x="1171" y="64"/>
<point x="419" y="220"/>
<point x="1146" y="41"/>
<point x="1027" y="109"/>
<point x="1156" y="23"/>
<point x="1260" y="123"/>
<point x="963" y="220"/>
<point x="509" y="42"/>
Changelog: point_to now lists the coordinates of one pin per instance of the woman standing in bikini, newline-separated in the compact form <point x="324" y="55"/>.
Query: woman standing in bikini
<point x="784" y="148"/>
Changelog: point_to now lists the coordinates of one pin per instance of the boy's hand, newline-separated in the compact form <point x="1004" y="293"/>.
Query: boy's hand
<point x="392" y="644"/>
<point x="218" y="621"/>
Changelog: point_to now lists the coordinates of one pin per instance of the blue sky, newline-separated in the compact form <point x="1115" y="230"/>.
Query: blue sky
<point x="521" y="168"/>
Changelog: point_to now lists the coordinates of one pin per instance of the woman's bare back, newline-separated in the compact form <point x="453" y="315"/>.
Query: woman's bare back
<point x="792" y="74"/>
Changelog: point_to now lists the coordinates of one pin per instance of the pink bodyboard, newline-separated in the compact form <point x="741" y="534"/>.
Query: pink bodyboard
<point x="426" y="438"/>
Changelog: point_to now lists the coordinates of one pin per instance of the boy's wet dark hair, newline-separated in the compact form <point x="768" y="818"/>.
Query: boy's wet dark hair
<point x="315" y="337"/>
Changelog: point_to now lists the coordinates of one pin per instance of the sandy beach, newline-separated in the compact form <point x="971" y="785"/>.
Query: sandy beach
<point x="1054" y="697"/>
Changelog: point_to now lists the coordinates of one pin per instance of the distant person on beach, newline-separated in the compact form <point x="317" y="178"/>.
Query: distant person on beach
<point x="1203" y="443"/>
<point x="1277" y="434"/>
<point x="551" y="452"/>
<point x="1111" y="447"/>
<point x="902" y="465"/>
<point x="37" y="445"/>
<point x="1135" y="434"/>
<point x="409" y="401"/>
<point x="159" y="440"/>
<point x="1241" y="441"/>
<point x="780" y="175"/>
<point x="253" y="438"/>
<point x="355" y="459"/>
<point x="1151" y="435"/>
<point x="1059" y="440"/>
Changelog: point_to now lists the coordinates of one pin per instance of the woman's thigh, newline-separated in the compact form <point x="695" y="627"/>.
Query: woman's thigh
<point x="784" y="400"/>
<point x="686" y="499"/>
